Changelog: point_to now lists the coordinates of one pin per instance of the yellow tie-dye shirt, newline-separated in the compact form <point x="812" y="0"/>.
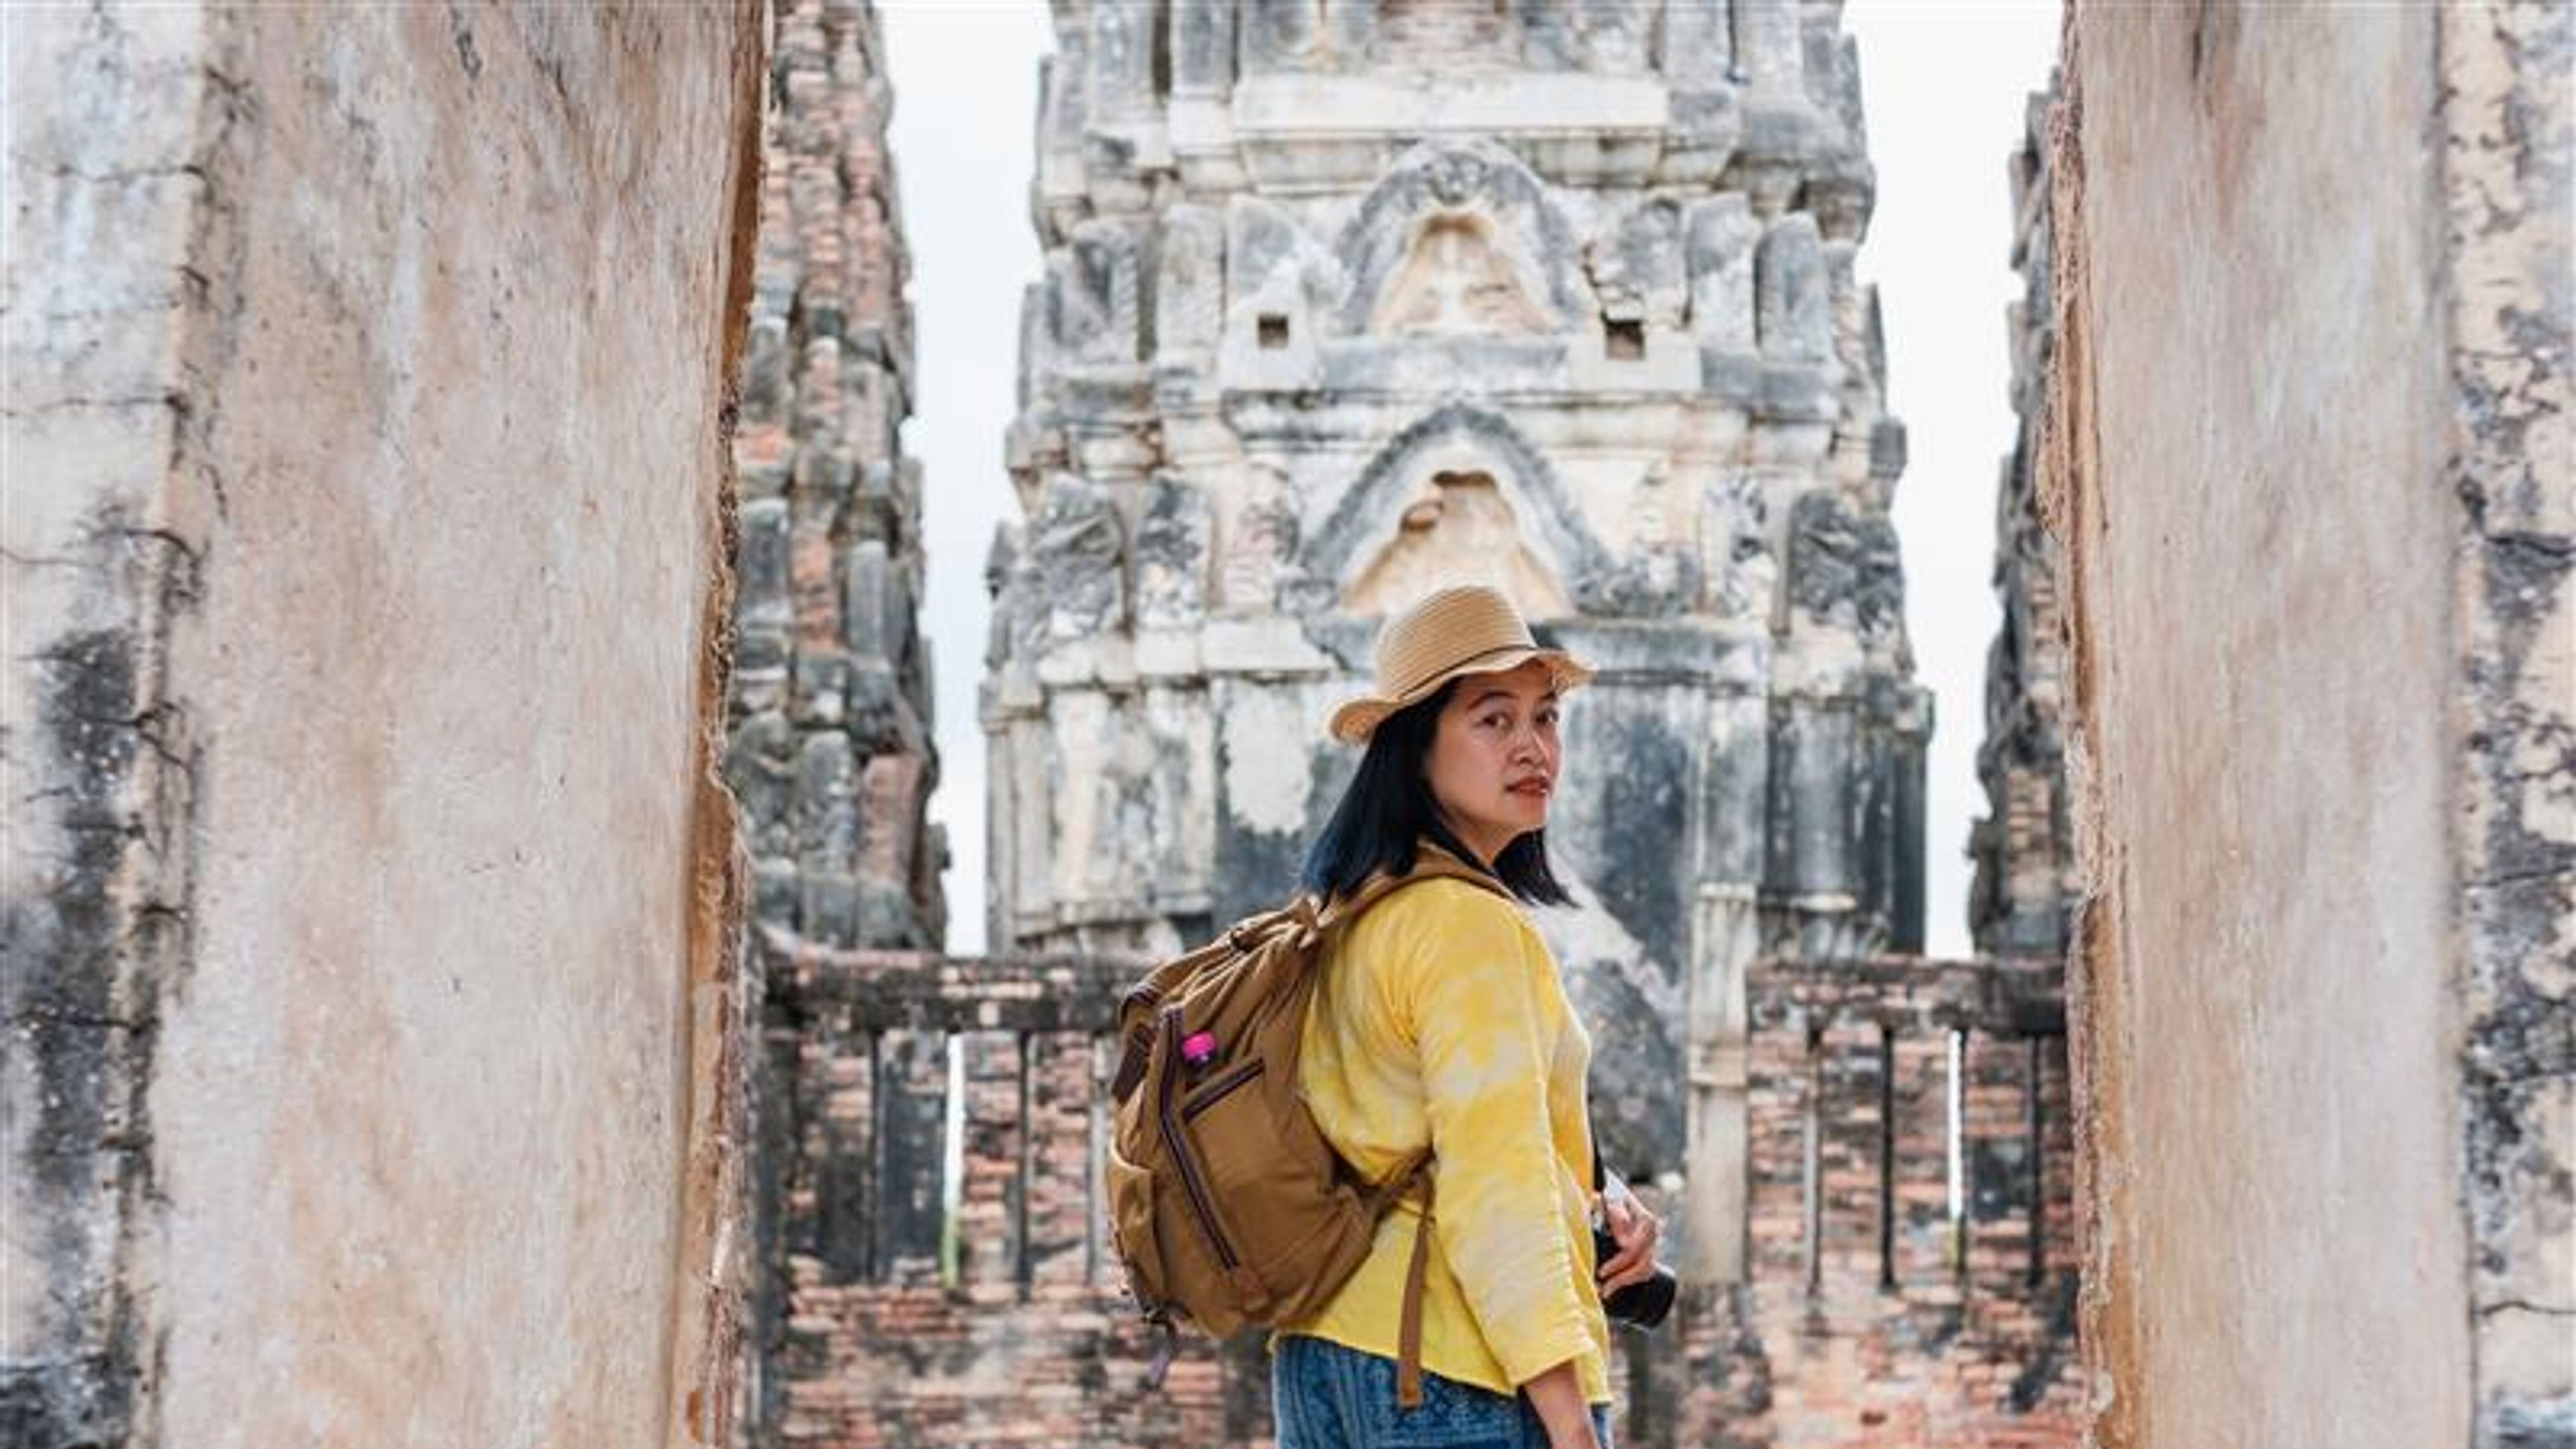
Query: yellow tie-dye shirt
<point x="1440" y="1022"/>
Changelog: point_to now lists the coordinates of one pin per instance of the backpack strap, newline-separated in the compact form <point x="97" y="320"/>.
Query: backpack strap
<point x="1408" y="1354"/>
<point x="1408" y="1334"/>
<point x="1430" y="862"/>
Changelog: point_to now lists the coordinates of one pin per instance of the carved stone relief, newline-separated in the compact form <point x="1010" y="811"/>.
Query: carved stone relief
<point x="1717" y="248"/>
<point x="1122" y="59"/>
<point x="1793" y="315"/>
<point x="1092" y="295"/>
<point x="1466" y="442"/>
<point x="1457" y="280"/>
<point x="1078" y="547"/>
<point x="1845" y="569"/>
<point x="1435" y="181"/>
<point x="1260" y="545"/>
<point x="1458" y="530"/>
<point x="1735" y="547"/>
<point x="1172" y="556"/>
<point x="1660" y="574"/>
<point x="1189" y="283"/>
<point x="1637" y="268"/>
<point x="1278" y="34"/>
<point x="1879" y="599"/>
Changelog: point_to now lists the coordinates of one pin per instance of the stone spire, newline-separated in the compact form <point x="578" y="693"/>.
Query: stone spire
<point x="1317" y="334"/>
<point x="831" y="743"/>
<point x="2025" y="884"/>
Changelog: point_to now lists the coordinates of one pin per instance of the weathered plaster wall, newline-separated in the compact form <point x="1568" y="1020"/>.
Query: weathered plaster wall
<point x="103" y="173"/>
<point x="2508" y="131"/>
<point x="376" y="1044"/>
<point x="2307" y="454"/>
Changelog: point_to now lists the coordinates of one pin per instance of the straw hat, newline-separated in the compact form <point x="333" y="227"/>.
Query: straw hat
<point x="1470" y="629"/>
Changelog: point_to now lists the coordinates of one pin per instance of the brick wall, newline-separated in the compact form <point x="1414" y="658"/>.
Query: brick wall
<point x="1875" y="1314"/>
<point x="1884" y="1314"/>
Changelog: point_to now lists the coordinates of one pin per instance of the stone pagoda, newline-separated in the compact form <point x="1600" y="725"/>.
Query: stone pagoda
<point x="1345" y="303"/>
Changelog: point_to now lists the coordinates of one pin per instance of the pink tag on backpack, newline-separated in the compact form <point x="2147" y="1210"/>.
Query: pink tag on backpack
<point x="1197" y="1047"/>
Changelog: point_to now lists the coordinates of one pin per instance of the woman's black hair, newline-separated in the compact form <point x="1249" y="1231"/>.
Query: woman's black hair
<point x="1388" y="810"/>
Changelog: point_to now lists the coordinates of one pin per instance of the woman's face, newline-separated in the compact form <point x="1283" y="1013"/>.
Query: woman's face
<point x="1494" y="755"/>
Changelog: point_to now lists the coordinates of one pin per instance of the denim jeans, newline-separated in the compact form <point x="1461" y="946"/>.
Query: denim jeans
<point x="1326" y="1396"/>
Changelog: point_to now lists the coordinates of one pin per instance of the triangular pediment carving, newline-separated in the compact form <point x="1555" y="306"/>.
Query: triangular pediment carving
<point x="1459" y="496"/>
<point x="1450" y="219"/>
<point x="1457" y="280"/>
<point x="1459" y="529"/>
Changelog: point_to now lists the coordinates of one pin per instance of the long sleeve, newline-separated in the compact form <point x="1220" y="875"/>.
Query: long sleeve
<point x="1477" y="999"/>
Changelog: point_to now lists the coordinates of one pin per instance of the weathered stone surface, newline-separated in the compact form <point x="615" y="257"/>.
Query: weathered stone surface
<point x="1172" y="556"/>
<point x="1792" y="316"/>
<point x="368" y="919"/>
<point x="2026" y="887"/>
<point x="2321" y="678"/>
<point x="1189" y="287"/>
<point x="2509" y="179"/>
<point x="831" y="566"/>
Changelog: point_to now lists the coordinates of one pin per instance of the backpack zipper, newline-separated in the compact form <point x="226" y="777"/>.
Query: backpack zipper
<point x="1209" y="1094"/>
<point x="1201" y="1204"/>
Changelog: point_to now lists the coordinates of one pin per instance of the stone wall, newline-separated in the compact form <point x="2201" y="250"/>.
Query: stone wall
<point x="1912" y="1215"/>
<point x="1910" y="1284"/>
<point x="370" y="986"/>
<point x="2308" y="444"/>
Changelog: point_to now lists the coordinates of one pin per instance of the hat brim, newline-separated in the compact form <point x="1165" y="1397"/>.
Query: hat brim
<point x="1357" y="719"/>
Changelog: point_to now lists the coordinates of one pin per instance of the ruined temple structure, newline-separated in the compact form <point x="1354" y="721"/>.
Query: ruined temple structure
<point x="1580" y="320"/>
<point x="830" y="745"/>
<point x="1342" y="303"/>
<point x="445" y="444"/>
<point x="2026" y="881"/>
<point x="829" y="754"/>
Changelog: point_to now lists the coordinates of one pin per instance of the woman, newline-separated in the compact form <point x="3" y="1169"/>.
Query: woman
<point x="1440" y="1024"/>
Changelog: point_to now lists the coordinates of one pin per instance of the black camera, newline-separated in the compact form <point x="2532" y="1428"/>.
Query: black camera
<point x="1641" y="1306"/>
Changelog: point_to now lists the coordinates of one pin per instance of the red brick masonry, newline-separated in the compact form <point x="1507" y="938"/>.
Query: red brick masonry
<point x="1875" y="1314"/>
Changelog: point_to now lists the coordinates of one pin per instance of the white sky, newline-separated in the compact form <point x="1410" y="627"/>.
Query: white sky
<point x="1945" y="85"/>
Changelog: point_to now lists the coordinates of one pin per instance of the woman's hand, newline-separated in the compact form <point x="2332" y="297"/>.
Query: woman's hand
<point x="1557" y="1395"/>
<point x="1635" y="1230"/>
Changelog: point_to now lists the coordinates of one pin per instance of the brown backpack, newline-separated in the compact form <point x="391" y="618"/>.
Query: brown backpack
<point x="1229" y="1206"/>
